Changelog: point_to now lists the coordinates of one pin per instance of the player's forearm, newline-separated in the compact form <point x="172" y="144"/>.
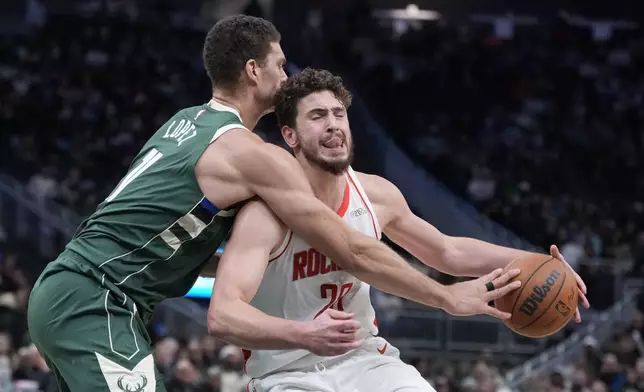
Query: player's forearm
<point x="474" y="258"/>
<point x="382" y="268"/>
<point x="243" y="325"/>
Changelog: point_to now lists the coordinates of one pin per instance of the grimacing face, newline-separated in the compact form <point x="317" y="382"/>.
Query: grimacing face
<point x="322" y="133"/>
<point x="271" y="74"/>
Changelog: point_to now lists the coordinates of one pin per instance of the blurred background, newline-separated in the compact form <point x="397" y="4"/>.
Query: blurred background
<point x="519" y="123"/>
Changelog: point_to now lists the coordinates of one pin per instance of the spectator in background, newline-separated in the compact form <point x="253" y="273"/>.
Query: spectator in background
<point x="214" y="378"/>
<point x="210" y="347"/>
<point x="481" y="187"/>
<point x="574" y="251"/>
<point x="165" y="354"/>
<point x="31" y="366"/>
<point x="233" y="378"/>
<point x="43" y="185"/>
<point x="187" y="378"/>
<point x="599" y="386"/>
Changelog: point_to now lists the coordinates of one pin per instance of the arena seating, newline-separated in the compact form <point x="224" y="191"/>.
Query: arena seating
<point x="541" y="133"/>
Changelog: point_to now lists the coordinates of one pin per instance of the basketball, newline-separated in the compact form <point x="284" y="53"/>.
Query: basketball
<point x="546" y="300"/>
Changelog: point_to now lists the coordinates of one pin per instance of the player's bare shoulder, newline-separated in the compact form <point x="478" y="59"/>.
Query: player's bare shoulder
<point x="256" y="228"/>
<point x="217" y="171"/>
<point x="386" y="198"/>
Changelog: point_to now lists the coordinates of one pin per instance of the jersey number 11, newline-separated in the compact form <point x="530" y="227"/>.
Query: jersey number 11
<point x="148" y="160"/>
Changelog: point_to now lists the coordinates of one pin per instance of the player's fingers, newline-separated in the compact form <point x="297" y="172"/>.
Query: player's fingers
<point x="580" y="282"/>
<point x="501" y="291"/>
<point x="577" y="316"/>
<point x="338" y="315"/>
<point x="345" y="337"/>
<point x="494" y="312"/>
<point x="347" y="326"/>
<point x="554" y="252"/>
<point x="342" y="337"/>
<point x="506" y="277"/>
<point x="583" y="299"/>
<point x="492" y="275"/>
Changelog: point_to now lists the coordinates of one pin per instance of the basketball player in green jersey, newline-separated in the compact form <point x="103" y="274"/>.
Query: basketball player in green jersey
<point x="150" y="238"/>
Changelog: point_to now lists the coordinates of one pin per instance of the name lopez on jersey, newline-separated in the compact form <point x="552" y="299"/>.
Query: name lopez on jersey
<point x="309" y="263"/>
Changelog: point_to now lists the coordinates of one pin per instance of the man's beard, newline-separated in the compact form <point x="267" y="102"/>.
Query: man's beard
<point x="336" y="168"/>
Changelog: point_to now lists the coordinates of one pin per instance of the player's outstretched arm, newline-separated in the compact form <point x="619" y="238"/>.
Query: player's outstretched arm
<point x="457" y="256"/>
<point x="231" y="317"/>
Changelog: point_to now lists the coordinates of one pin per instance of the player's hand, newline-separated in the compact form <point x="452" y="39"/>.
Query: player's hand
<point x="333" y="333"/>
<point x="581" y="286"/>
<point x="473" y="297"/>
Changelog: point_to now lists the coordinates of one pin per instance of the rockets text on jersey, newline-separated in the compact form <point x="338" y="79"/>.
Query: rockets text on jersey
<point x="300" y="283"/>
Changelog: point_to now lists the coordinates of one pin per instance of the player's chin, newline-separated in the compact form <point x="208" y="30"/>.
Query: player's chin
<point x="334" y="154"/>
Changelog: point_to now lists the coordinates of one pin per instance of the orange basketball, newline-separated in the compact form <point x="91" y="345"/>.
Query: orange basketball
<point x="546" y="300"/>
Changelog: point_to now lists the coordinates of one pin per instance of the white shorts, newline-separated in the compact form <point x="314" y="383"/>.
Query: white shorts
<point x="364" y="370"/>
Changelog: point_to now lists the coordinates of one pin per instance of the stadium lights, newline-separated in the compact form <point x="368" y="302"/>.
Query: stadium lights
<point x="410" y="13"/>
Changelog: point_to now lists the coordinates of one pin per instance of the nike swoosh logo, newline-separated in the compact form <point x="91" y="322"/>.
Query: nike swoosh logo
<point x="383" y="349"/>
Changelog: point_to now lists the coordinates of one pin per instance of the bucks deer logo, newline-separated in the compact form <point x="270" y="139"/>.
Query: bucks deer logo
<point x="135" y="382"/>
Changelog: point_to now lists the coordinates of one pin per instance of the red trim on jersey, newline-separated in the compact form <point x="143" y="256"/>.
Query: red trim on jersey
<point x="247" y="354"/>
<point x="366" y="205"/>
<point x="345" y="201"/>
<point x="341" y="211"/>
<point x="290" y="237"/>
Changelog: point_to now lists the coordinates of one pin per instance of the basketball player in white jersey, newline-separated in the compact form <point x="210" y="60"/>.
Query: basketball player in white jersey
<point x="311" y="324"/>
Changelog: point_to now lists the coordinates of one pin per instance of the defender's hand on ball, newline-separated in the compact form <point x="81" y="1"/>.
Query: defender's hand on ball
<point x="333" y="333"/>
<point x="472" y="297"/>
<point x="554" y="252"/>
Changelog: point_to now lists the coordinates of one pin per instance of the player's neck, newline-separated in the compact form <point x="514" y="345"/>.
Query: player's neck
<point x="327" y="187"/>
<point x="248" y="109"/>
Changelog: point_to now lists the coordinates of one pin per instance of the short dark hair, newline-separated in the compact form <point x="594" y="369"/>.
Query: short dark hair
<point x="233" y="41"/>
<point x="302" y="84"/>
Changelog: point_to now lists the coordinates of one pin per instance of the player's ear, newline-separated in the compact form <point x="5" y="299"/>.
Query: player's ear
<point x="290" y="136"/>
<point x="250" y="69"/>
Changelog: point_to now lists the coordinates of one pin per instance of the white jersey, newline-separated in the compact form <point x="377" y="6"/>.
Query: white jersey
<point x="300" y="283"/>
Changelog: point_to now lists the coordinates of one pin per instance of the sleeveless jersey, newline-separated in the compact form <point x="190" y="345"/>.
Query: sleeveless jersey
<point x="301" y="283"/>
<point x="152" y="235"/>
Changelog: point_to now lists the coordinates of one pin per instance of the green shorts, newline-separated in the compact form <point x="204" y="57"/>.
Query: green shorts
<point x="91" y="337"/>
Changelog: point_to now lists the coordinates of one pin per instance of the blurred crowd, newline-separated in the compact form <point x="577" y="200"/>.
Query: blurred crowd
<point x="616" y="365"/>
<point x="69" y="98"/>
<point x="520" y="127"/>
<point x="541" y="132"/>
<point x="540" y="129"/>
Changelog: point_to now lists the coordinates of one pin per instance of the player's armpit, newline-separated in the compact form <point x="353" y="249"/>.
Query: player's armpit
<point x="274" y="175"/>
<point x="241" y="269"/>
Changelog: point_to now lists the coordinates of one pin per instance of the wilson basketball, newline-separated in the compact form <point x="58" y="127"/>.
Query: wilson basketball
<point x="546" y="300"/>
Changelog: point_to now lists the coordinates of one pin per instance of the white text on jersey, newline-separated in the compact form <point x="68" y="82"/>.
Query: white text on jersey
<point x="181" y="132"/>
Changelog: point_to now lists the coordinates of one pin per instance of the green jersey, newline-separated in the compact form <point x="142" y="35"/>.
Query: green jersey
<point x="151" y="236"/>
